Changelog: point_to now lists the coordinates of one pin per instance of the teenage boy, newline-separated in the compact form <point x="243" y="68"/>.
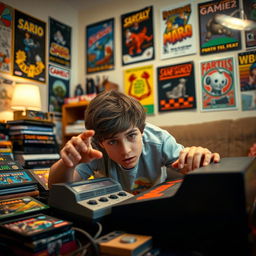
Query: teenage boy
<point x="118" y="143"/>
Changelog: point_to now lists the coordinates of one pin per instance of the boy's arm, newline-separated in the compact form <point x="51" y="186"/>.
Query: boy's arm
<point x="59" y="172"/>
<point x="77" y="150"/>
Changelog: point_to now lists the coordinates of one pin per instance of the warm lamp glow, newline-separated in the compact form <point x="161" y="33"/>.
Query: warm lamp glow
<point x="26" y="96"/>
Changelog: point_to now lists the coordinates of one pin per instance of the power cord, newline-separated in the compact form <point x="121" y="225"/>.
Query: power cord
<point x="83" y="249"/>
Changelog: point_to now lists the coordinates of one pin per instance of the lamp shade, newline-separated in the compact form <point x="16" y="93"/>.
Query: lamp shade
<point x="26" y="96"/>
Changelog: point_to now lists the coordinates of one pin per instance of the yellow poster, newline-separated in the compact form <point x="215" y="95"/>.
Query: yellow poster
<point x="138" y="83"/>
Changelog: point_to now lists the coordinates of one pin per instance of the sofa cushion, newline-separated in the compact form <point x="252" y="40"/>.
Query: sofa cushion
<point x="228" y="137"/>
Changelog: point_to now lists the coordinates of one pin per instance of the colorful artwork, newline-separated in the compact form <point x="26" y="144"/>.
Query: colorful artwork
<point x="100" y="46"/>
<point x="139" y="84"/>
<point x="247" y="71"/>
<point x="59" y="79"/>
<point x="29" y="47"/>
<point x="215" y="38"/>
<point x="176" y="87"/>
<point x="218" y="84"/>
<point x="6" y="22"/>
<point x="137" y="36"/>
<point x="177" y="33"/>
<point x="6" y="91"/>
<point x="59" y="43"/>
<point x="249" y="7"/>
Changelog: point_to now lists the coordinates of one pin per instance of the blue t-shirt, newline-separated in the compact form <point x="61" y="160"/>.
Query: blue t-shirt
<point x="159" y="150"/>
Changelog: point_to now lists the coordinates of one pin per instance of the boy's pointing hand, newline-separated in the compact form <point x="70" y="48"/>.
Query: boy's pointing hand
<point x="79" y="150"/>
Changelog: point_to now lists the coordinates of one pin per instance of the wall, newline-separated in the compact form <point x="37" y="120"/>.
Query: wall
<point x="94" y="11"/>
<point x="79" y="13"/>
<point x="63" y="11"/>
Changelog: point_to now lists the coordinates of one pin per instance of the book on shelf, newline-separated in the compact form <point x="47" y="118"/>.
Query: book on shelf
<point x="29" y="123"/>
<point x="34" y="161"/>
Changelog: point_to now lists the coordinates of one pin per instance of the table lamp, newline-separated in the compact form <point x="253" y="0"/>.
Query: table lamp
<point x="26" y="102"/>
<point x="26" y="96"/>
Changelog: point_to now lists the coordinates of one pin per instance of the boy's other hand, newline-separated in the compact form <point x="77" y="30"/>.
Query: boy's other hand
<point x="191" y="158"/>
<point x="79" y="150"/>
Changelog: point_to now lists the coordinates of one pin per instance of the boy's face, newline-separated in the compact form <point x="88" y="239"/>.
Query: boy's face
<point x="124" y="148"/>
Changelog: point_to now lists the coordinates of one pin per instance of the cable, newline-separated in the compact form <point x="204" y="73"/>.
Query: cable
<point x="99" y="231"/>
<point x="90" y="238"/>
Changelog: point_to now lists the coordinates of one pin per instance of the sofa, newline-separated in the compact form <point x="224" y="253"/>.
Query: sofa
<point x="230" y="137"/>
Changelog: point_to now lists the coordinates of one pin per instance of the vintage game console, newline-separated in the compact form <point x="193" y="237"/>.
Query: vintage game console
<point x="90" y="199"/>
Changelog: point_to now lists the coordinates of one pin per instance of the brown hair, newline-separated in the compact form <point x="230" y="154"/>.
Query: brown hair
<point x="111" y="112"/>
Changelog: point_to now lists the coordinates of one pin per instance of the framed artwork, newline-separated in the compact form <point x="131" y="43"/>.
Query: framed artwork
<point x="29" y="47"/>
<point x="6" y="91"/>
<point x="247" y="72"/>
<point x="176" y="87"/>
<point x="100" y="46"/>
<point x="177" y="23"/>
<point x="249" y="7"/>
<point x="137" y="36"/>
<point x="215" y="38"/>
<point x="6" y="29"/>
<point x="59" y="82"/>
<point x="59" y="43"/>
<point x="138" y="83"/>
<point x="218" y="84"/>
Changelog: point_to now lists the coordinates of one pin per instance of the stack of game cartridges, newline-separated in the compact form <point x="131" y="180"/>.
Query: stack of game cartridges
<point x="37" y="235"/>
<point x="5" y="143"/>
<point x="14" y="180"/>
<point x="34" y="143"/>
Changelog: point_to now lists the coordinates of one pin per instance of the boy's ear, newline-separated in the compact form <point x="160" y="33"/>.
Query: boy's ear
<point x="101" y="145"/>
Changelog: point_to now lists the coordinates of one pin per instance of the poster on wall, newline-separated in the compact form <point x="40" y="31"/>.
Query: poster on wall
<point x="6" y="91"/>
<point x="215" y="38"/>
<point x="177" y="31"/>
<point x="247" y="72"/>
<point x="59" y="79"/>
<point x="249" y="7"/>
<point x="218" y="84"/>
<point x="100" y="46"/>
<point x="6" y="26"/>
<point x="176" y="87"/>
<point x="137" y="36"/>
<point x="138" y="83"/>
<point x="59" y="43"/>
<point x="29" y="47"/>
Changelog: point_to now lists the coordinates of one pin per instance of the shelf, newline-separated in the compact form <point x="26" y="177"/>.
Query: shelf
<point x="72" y="112"/>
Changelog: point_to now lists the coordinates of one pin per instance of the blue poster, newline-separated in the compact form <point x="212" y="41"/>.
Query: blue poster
<point x="100" y="46"/>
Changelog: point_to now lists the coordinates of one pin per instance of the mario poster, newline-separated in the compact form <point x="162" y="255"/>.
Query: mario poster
<point x="247" y="72"/>
<point x="138" y="83"/>
<point x="100" y="46"/>
<point x="214" y="37"/>
<point x="176" y="87"/>
<point x="29" y="47"/>
<point x="137" y="36"/>
<point x="177" y="31"/>
<point x="250" y="13"/>
<point x="6" y="22"/>
<point x="218" y="84"/>
<point x="59" y="43"/>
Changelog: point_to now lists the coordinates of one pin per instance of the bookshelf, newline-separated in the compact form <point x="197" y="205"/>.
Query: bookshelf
<point x="71" y="114"/>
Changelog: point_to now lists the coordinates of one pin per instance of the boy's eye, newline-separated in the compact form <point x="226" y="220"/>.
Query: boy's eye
<point x="132" y="135"/>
